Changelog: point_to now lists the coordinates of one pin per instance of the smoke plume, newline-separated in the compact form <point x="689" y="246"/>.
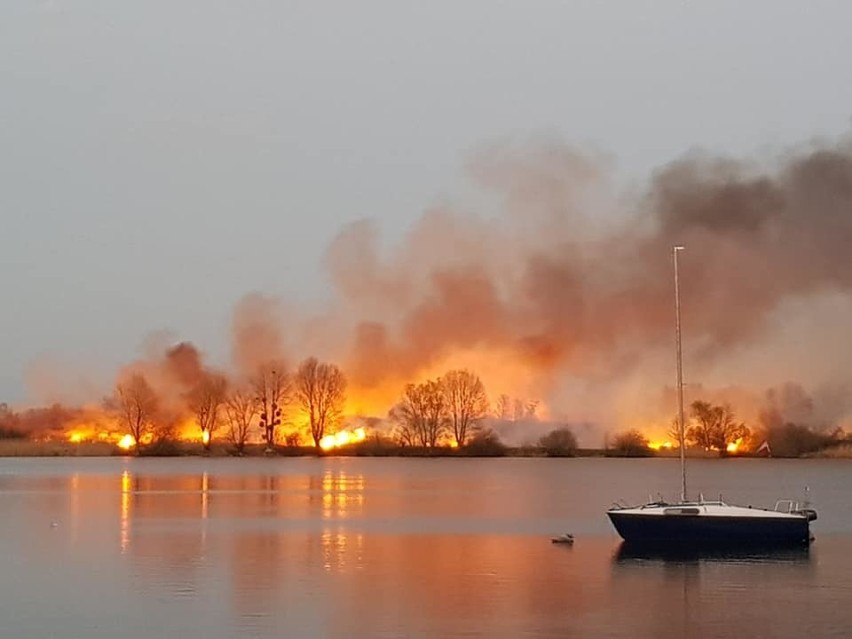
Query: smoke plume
<point x="559" y="288"/>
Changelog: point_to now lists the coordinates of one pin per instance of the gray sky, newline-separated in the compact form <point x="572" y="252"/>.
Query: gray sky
<point x="161" y="158"/>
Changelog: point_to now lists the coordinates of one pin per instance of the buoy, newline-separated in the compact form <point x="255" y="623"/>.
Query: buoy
<point x="567" y="538"/>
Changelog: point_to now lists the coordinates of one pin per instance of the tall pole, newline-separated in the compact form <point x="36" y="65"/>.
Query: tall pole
<point x="680" y="434"/>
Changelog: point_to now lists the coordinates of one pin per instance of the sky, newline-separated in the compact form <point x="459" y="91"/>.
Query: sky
<point x="161" y="159"/>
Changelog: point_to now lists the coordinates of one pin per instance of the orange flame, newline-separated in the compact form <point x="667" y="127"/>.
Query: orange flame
<point x="343" y="438"/>
<point x="659" y="445"/>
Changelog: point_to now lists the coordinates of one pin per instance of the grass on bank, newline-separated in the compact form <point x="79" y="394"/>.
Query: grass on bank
<point x="28" y="448"/>
<point x="558" y="443"/>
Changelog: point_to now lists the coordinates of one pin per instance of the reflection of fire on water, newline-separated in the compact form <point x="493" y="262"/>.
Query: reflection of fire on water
<point x="126" y="482"/>
<point x="334" y="549"/>
<point x="75" y="504"/>
<point x="343" y="495"/>
<point x="204" y="494"/>
<point x="205" y="500"/>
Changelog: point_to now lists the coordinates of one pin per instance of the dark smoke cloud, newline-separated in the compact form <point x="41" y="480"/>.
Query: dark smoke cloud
<point x="572" y="283"/>
<point x="537" y="282"/>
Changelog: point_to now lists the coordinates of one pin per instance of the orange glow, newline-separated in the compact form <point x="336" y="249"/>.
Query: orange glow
<point x="98" y="426"/>
<point x="343" y="438"/>
<point x="733" y="447"/>
<point x="502" y="371"/>
<point x="658" y="445"/>
<point x="372" y="401"/>
<point x="187" y="430"/>
<point x="81" y="433"/>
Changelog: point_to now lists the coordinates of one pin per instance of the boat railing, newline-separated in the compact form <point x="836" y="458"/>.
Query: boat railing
<point x="792" y="506"/>
<point x="786" y="506"/>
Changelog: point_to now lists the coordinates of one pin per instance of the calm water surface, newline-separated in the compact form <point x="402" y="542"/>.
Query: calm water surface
<point x="219" y="548"/>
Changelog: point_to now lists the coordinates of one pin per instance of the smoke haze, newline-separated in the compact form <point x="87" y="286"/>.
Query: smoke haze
<point x="561" y="290"/>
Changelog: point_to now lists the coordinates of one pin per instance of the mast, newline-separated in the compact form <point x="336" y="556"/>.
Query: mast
<point x="680" y="434"/>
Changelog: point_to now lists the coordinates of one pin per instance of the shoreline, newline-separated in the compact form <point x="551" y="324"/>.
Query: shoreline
<point x="28" y="448"/>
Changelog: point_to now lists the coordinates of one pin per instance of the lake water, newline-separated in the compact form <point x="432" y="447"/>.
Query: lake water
<point x="347" y="547"/>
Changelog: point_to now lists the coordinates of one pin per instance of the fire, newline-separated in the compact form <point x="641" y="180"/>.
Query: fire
<point x="343" y="438"/>
<point x="502" y="370"/>
<point x="735" y="446"/>
<point x="187" y="430"/>
<point x="98" y="431"/>
<point x="657" y="445"/>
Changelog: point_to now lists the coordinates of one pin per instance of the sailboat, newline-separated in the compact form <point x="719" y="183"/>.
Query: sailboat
<point x="700" y="523"/>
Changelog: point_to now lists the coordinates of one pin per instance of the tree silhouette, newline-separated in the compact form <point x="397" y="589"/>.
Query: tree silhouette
<point x="466" y="403"/>
<point x="421" y="414"/>
<point x="241" y="408"/>
<point x="714" y="427"/>
<point x="273" y="392"/>
<point x="321" y="392"/>
<point x="205" y="400"/>
<point x="137" y="405"/>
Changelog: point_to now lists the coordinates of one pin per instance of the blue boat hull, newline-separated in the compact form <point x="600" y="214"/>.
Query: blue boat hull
<point x="637" y="528"/>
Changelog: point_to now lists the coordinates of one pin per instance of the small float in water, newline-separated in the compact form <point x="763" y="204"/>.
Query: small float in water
<point x="566" y="538"/>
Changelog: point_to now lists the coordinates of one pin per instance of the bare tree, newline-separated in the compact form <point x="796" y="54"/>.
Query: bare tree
<point x="273" y="391"/>
<point x="409" y="415"/>
<point x="503" y="408"/>
<point x="466" y="403"/>
<point x="701" y="431"/>
<point x="321" y="393"/>
<point x="436" y="412"/>
<point x="421" y="414"/>
<point x="137" y="404"/>
<point x="240" y="410"/>
<point x="673" y="433"/>
<point x="205" y="400"/>
<point x="714" y="426"/>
